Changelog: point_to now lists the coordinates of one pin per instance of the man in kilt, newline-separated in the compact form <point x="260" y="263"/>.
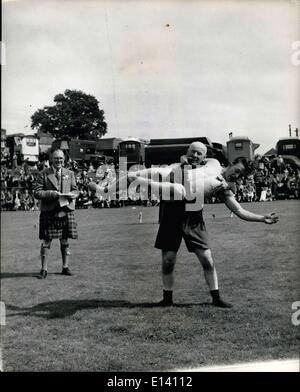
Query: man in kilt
<point x="57" y="190"/>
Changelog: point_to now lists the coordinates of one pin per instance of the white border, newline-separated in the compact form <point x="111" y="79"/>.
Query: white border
<point x="289" y="365"/>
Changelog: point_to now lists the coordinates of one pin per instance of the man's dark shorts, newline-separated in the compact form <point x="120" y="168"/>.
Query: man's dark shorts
<point x="176" y="223"/>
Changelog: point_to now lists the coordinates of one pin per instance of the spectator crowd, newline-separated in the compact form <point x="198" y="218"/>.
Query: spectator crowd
<point x="271" y="179"/>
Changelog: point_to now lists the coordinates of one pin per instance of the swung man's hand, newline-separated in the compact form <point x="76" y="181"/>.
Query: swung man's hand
<point x="271" y="218"/>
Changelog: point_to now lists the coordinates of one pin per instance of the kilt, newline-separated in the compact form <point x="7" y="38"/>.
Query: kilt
<point x="52" y="226"/>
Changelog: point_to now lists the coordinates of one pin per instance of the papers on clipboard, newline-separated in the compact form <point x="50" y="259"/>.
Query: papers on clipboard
<point x="63" y="201"/>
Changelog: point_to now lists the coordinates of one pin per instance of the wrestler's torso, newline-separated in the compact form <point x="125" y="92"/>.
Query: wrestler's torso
<point x="204" y="179"/>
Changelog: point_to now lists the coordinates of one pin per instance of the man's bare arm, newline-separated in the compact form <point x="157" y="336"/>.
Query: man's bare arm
<point x="238" y="210"/>
<point x="168" y="191"/>
<point x="150" y="177"/>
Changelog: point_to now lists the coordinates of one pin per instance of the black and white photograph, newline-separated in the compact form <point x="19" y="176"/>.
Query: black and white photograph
<point x="150" y="185"/>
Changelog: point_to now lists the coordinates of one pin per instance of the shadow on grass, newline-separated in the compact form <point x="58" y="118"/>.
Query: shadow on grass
<point x="137" y="223"/>
<point x="7" y="275"/>
<point x="65" y="308"/>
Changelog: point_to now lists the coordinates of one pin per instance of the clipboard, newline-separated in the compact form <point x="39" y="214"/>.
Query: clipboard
<point x="63" y="201"/>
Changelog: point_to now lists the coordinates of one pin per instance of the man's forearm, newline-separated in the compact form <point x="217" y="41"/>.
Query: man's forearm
<point x="167" y="190"/>
<point x="236" y="208"/>
<point x="42" y="194"/>
<point x="248" y="216"/>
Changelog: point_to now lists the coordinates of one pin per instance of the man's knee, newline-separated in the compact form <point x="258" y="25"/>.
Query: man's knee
<point x="168" y="262"/>
<point x="64" y="246"/>
<point x="205" y="258"/>
<point x="64" y="242"/>
<point x="207" y="266"/>
<point x="45" y="246"/>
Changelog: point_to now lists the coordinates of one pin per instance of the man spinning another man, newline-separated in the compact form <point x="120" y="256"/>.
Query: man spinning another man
<point x="188" y="182"/>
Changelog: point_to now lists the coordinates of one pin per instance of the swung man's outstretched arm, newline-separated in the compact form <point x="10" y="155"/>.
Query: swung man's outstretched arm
<point x="238" y="210"/>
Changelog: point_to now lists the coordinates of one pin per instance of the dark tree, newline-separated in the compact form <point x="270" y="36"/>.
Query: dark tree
<point x="74" y="114"/>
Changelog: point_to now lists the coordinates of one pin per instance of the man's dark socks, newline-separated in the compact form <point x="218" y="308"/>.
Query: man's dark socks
<point x="217" y="301"/>
<point x="167" y="298"/>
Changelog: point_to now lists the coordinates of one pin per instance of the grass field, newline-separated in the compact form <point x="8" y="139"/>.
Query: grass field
<point x="102" y="318"/>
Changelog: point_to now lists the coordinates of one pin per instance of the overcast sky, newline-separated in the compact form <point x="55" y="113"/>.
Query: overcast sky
<point x="159" y="68"/>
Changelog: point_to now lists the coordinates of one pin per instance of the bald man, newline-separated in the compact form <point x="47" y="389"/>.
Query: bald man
<point x="176" y="222"/>
<point x="182" y="217"/>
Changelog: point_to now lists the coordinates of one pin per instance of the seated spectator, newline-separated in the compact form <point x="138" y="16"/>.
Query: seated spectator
<point x="293" y="186"/>
<point x="288" y="168"/>
<point x="285" y="180"/>
<point x="283" y="186"/>
<point x="14" y="161"/>
<point x="91" y="168"/>
<point x="26" y="166"/>
<point x="297" y="184"/>
<point x="251" y="179"/>
<point x="23" y="181"/>
<point x="15" y="181"/>
<point x="84" y="176"/>
<point x="250" y="192"/>
<point x="267" y="163"/>
<point x="269" y="196"/>
<point x="2" y="200"/>
<point x="3" y="181"/>
<point x="280" y="165"/>
<point x="27" y="202"/>
<point x="9" y="182"/>
<point x="256" y="162"/>
<point x="261" y="165"/>
<point x="272" y="182"/>
<point x="245" y="194"/>
<point x="240" y="192"/>
<point x="83" y="200"/>
<point x="73" y="166"/>
<point x="17" y="201"/>
<point x="263" y="194"/>
<point x="30" y="181"/>
<point x="107" y="202"/>
<point x="9" y="201"/>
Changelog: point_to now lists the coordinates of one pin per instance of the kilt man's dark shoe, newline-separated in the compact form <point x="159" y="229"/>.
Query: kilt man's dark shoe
<point x="66" y="271"/>
<point x="43" y="274"/>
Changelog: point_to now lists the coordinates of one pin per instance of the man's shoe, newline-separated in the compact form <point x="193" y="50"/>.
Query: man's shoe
<point x="221" y="304"/>
<point x="66" y="271"/>
<point x="43" y="274"/>
<point x="164" y="303"/>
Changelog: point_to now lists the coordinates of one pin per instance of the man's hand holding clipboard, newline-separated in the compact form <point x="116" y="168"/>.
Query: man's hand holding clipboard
<point x="66" y="198"/>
